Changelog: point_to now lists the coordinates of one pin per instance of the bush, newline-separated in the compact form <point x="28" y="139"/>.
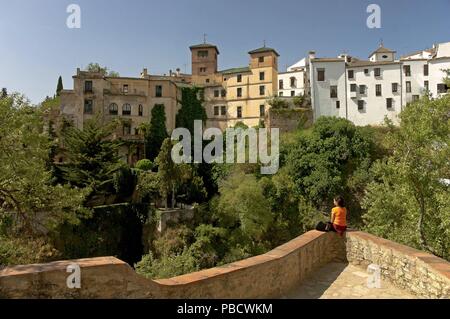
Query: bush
<point x="144" y="165"/>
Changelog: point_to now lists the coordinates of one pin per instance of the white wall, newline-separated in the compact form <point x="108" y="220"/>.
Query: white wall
<point x="375" y="109"/>
<point x="286" y="77"/>
<point x="436" y="74"/>
<point x="322" y="103"/>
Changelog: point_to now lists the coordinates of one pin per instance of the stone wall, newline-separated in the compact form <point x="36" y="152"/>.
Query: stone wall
<point x="418" y="272"/>
<point x="107" y="277"/>
<point x="289" y="119"/>
<point x="269" y="275"/>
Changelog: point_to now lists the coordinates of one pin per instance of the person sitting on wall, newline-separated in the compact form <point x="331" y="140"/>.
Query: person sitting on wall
<point x="338" y="221"/>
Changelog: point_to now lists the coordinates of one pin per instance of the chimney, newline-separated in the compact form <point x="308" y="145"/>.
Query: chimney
<point x="178" y="71"/>
<point x="170" y="72"/>
<point x="78" y="71"/>
<point x="311" y="55"/>
<point x="144" y="73"/>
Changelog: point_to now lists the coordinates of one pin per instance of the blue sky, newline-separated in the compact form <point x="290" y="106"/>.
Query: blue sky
<point x="127" y="35"/>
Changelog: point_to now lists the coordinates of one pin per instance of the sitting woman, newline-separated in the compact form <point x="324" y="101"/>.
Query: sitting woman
<point x="338" y="217"/>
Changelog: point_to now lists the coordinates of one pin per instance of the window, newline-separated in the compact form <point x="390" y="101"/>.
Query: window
<point x="223" y="93"/>
<point x="280" y="94"/>
<point x="126" y="109"/>
<point x="394" y="87"/>
<point x="239" y="92"/>
<point x="261" y="59"/>
<point x="223" y="110"/>
<point x="126" y="128"/>
<point x="378" y="90"/>
<point x="207" y="80"/>
<point x="136" y="132"/>
<point x="407" y="70"/>
<point x="366" y="71"/>
<point x="88" y="86"/>
<point x="426" y="84"/>
<point x="360" y="105"/>
<point x="351" y="74"/>
<point x="202" y="70"/>
<point x="320" y="74"/>
<point x="88" y="106"/>
<point x="292" y="93"/>
<point x="239" y="112"/>
<point x="280" y="84"/>
<point x="262" y="90"/>
<point x="415" y="98"/>
<point x="377" y="72"/>
<point x="140" y="110"/>
<point x="239" y="78"/>
<point x="385" y="56"/>
<point x="362" y="89"/>
<point x="125" y="88"/>
<point x="262" y="110"/>
<point x="113" y="109"/>
<point x="353" y="87"/>
<point x="158" y="91"/>
<point x="338" y="104"/>
<point x="425" y="70"/>
<point x="389" y="103"/>
<point x="261" y="76"/>
<point x="333" y="91"/>
<point x="408" y="87"/>
<point x="293" y="82"/>
<point x="202" y="53"/>
<point x="442" y="88"/>
<point x="216" y="110"/>
<point x="216" y="93"/>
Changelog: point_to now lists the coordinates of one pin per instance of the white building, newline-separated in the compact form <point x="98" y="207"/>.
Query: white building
<point x="367" y="91"/>
<point x="292" y="82"/>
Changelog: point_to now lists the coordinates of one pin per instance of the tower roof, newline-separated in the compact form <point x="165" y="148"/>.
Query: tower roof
<point x="264" y="49"/>
<point x="382" y="49"/>
<point x="204" y="46"/>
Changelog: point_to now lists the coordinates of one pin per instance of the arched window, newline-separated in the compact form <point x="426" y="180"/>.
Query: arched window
<point x="141" y="110"/>
<point x="113" y="108"/>
<point x="126" y="109"/>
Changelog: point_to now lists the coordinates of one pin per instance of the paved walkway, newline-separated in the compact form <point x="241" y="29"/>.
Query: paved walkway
<point x="344" y="281"/>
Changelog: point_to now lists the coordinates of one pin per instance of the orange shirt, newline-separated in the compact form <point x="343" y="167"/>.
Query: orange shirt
<point x="340" y="216"/>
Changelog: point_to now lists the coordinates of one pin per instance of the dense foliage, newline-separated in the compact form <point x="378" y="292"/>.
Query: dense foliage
<point x="156" y="133"/>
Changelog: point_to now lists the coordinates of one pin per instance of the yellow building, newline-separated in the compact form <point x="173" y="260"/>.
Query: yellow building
<point x="237" y="94"/>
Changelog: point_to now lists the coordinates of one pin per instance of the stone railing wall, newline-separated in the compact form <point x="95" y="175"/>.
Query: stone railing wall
<point x="420" y="273"/>
<point x="269" y="275"/>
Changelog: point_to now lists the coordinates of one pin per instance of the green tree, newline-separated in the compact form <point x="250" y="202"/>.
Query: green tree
<point x="278" y="103"/>
<point x="27" y="196"/>
<point x="244" y="210"/>
<point x="333" y="158"/>
<point x="156" y="133"/>
<point x="97" y="68"/>
<point x="171" y="175"/>
<point x="59" y="87"/>
<point x="191" y="108"/>
<point x="409" y="199"/>
<point x="93" y="157"/>
<point x="4" y="93"/>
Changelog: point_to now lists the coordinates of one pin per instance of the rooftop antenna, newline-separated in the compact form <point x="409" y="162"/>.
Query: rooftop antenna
<point x="264" y="43"/>
<point x="204" y="38"/>
<point x="381" y="42"/>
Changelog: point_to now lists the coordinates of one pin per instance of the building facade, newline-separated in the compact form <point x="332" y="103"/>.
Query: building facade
<point x="292" y="82"/>
<point x="126" y="99"/>
<point x="237" y="94"/>
<point x="368" y="91"/>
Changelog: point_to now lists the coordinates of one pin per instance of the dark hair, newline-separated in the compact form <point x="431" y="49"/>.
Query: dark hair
<point x="340" y="201"/>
